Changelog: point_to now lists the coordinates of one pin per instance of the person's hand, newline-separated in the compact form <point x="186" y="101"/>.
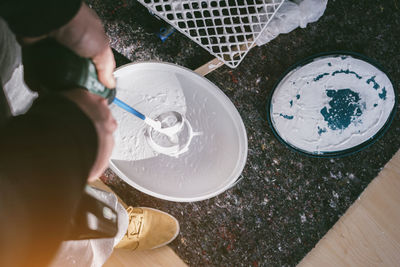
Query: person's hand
<point x="96" y="108"/>
<point x="85" y="35"/>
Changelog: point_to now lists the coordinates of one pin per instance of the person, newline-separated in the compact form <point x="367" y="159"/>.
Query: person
<point x="64" y="140"/>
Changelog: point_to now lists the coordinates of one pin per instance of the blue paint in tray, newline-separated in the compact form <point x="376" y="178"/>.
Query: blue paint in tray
<point x="372" y="79"/>
<point x="344" y="108"/>
<point x="288" y="117"/>
<point x="321" y="130"/>
<point x="383" y="94"/>
<point x="320" y="76"/>
<point x="346" y="72"/>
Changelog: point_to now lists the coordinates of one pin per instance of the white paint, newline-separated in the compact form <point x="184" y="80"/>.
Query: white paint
<point x="174" y="137"/>
<point x="213" y="66"/>
<point x="172" y="145"/>
<point x="302" y="131"/>
<point x="152" y="97"/>
<point x="169" y="123"/>
<point x="207" y="164"/>
<point x="154" y="124"/>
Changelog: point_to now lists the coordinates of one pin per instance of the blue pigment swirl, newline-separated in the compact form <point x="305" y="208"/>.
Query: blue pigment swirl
<point x="346" y="72"/>
<point x="372" y="79"/>
<point x="288" y="117"/>
<point x="383" y="94"/>
<point x="321" y="131"/>
<point x="344" y="108"/>
<point x="320" y="76"/>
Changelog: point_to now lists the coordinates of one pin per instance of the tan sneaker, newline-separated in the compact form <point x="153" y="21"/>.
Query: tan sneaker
<point x="148" y="229"/>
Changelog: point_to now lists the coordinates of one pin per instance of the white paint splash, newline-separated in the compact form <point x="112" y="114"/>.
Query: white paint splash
<point x="172" y="145"/>
<point x="213" y="66"/>
<point x="305" y="101"/>
<point x="150" y="97"/>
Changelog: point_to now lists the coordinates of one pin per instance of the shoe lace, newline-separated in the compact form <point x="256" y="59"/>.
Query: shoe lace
<point x="135" y="224"/>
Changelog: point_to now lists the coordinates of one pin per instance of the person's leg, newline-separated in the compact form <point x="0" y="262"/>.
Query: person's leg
<point x="5" y="112"/>
<point x="93" y="252"/>
<point x="148" y="228"/>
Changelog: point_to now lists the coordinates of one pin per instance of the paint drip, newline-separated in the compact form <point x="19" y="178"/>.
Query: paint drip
<point x="331" y="104"/>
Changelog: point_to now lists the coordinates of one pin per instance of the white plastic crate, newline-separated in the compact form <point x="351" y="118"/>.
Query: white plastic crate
<point x="226" y="28"/>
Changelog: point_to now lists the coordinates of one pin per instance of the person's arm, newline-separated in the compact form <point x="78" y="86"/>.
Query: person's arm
<point x="70" y="22"/>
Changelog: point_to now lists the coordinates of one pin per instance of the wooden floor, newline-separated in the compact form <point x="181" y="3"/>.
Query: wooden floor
<point x="160" y="257"/>
<point x="368" y="234"/>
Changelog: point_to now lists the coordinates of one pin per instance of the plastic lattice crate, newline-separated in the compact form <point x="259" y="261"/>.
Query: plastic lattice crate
<point x="226" y="28"/>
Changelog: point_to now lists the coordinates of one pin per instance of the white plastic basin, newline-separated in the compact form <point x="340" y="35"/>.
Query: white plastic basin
<point x="215" y="158"/>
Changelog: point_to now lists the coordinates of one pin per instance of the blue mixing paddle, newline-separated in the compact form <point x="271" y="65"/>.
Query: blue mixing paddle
<point x="56" y="67"/>
<point x="157" y="125"/>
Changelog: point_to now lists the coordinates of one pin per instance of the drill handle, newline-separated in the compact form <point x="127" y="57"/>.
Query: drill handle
<point x="50" y="66"/>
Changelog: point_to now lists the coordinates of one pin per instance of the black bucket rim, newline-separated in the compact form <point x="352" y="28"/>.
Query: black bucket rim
<point x="345" y="152"/>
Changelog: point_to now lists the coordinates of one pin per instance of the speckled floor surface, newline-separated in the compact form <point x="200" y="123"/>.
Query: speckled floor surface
<point x="286" y="201"/>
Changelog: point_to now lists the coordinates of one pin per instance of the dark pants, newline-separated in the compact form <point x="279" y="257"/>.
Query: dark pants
<point x="5" y="111"/>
